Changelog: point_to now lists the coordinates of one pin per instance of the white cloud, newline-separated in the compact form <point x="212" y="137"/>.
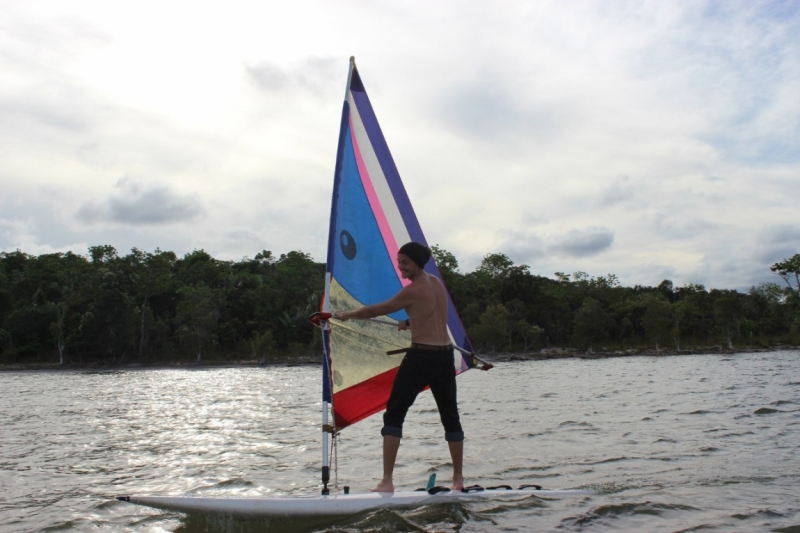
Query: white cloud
<point x="136" y="203"/>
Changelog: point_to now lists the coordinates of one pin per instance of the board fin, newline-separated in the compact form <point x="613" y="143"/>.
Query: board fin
<point x="431" y="481"/>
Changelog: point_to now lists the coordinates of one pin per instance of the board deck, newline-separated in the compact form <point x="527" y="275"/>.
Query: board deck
<point x="332" y="505"/>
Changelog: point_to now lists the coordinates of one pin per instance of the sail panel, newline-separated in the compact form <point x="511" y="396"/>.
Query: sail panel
<point x="362" y="263"/>
<point x="359" y="346"/>
<point x="350" y="406"/>
<point x="382" y="200"/>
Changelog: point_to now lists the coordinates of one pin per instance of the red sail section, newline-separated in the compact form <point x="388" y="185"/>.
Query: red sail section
<point x="360" y="401"/>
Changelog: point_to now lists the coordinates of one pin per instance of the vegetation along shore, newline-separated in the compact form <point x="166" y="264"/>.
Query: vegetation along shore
<point x="145" y="310"/>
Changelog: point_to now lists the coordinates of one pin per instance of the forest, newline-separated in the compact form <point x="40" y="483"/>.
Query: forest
<point x="157" y="308"/>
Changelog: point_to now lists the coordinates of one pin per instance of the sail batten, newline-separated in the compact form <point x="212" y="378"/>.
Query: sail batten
<point x="371" y="217"/>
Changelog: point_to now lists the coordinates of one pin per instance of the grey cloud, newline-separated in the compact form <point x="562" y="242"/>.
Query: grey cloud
<point x="316" y="75"/>
<point x="781" y="234"/>
<point x="618" y="192"/>
<point x="487" y="111"/>
<point x="738" y="68"/>
<point x="682" y="228"/>
<point x="135" y="203"/>
<point x="268" y="77"/>
<point x="583" y="243"/>
<point x="44" y="114"/>
<point x="769" y="255"/>
<point x="530" y="247"/>
<point x="527" y="247"/>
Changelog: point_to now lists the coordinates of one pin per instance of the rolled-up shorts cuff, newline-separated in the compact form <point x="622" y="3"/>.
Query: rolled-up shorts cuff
<point x="454" y="436"/>
<point x="392" y="431"/>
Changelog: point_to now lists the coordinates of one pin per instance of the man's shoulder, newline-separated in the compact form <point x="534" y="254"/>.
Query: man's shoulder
<point x="423" y="280"/>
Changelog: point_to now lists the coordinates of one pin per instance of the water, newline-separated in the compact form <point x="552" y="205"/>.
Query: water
<point x="683" y="443"/>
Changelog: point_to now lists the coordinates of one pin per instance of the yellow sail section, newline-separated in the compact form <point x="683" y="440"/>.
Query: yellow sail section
<point x="361" y="345"/>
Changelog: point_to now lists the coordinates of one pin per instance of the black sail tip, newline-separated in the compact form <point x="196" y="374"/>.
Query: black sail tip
<point x="355" y="81"/>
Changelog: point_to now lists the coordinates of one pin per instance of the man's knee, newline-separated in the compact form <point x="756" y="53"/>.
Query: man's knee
<point x="454" y="436"/>
<point x="394" y="431"/>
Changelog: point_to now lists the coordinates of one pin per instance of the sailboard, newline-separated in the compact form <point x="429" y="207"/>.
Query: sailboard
<point x="335" y="504"/>
<point x="371" y="217"/>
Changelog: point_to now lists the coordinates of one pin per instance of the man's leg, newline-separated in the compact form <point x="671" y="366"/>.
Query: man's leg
<point x="457" y="454"/>
<point x="390" y="446"/>
<point x="404" y="391"/>
<point x="445" y="393"/>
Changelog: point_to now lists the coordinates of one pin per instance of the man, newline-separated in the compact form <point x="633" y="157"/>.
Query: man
<point x="429" y="362"/>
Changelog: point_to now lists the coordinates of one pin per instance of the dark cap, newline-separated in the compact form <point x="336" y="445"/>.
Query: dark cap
<point x="419" y="253"/>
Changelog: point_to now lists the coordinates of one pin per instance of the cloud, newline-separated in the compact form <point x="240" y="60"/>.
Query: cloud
<point x="135" y="203"/>
<point x="680" y="227"/>
<point x="498" y="117"/>
<point x="618" y="192"/>
<point x="583" y="243"/>
<point x="530" y="247"/>
<point x="316" y="75"/>
<point x="736" y="64"/>
<point x="780" y="234"/>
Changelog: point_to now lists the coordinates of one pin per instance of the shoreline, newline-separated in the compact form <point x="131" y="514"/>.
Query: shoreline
<point x="504" y="357"/>
<point x="569" y="353"/>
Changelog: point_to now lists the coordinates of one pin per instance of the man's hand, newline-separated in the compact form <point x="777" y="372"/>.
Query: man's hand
<point x="340" y="315"/>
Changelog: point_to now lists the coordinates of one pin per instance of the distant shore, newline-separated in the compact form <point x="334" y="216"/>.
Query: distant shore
<point x="553" y="353"/>
<point x="566" y="353"/>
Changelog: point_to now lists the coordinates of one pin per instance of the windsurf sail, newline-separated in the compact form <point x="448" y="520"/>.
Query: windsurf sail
<point x="371" y="217"/>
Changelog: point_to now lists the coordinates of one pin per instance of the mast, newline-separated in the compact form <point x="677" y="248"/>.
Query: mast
<point x="327" y="387"/>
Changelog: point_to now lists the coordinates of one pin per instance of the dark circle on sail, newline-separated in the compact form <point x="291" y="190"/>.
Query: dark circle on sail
<point x="348" y="244"/>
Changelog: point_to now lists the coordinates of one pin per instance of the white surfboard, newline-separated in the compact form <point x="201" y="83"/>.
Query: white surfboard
<point x="332" y="505"/>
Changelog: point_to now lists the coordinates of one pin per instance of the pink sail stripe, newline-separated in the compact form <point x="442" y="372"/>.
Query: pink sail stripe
<point x="375" y="204"/>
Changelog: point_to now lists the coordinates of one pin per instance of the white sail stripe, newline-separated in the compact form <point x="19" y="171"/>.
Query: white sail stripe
<point x="378" y="179"/>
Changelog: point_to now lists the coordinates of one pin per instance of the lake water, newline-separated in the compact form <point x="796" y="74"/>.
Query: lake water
<point x="677" y="443"/>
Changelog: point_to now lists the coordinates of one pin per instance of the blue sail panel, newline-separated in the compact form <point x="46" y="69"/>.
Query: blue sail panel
<point x="361" y="262"/>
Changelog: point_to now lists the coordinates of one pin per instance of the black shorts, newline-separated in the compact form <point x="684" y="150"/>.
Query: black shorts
<point x="420" y="369"/>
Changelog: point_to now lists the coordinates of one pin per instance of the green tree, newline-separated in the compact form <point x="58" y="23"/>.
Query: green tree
<point x="445" y="262"/>
<point x="261" y="344"/>
<point x="591" y="325"/>
<point x="108" y="324"/>
<point x="152" y="275"/>
<point x="698" y="322"/>
<point x="788" y="270"/>
<point x="529" y="333"/>
<point x="728" y="315"/>
<point x="658" y="319"/>
<point x="678" y="312"/>
<point x="198" y="312"/>
<point x="493" y="330"/>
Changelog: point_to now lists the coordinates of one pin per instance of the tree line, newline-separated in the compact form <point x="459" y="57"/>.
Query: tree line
<point x="157" y="308"/>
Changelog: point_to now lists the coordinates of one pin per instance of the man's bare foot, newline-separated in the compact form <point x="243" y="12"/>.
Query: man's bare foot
<point x="383" y="486"/>
<point x="458" y="484"/>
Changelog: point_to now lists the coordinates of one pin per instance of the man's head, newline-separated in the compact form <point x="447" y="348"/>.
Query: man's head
<point x="418" y="253"/>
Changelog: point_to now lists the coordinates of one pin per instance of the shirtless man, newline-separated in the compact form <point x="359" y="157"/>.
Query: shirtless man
<point x="429" y="362"/>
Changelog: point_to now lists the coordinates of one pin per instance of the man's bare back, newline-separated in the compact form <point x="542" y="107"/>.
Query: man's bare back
<point x="428" y="310"/>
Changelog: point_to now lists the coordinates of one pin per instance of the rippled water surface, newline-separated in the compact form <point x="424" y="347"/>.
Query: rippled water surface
<point x="684" y="443"/>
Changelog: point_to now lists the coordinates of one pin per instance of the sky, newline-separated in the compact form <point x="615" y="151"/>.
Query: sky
<point x="651" y="140"/>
